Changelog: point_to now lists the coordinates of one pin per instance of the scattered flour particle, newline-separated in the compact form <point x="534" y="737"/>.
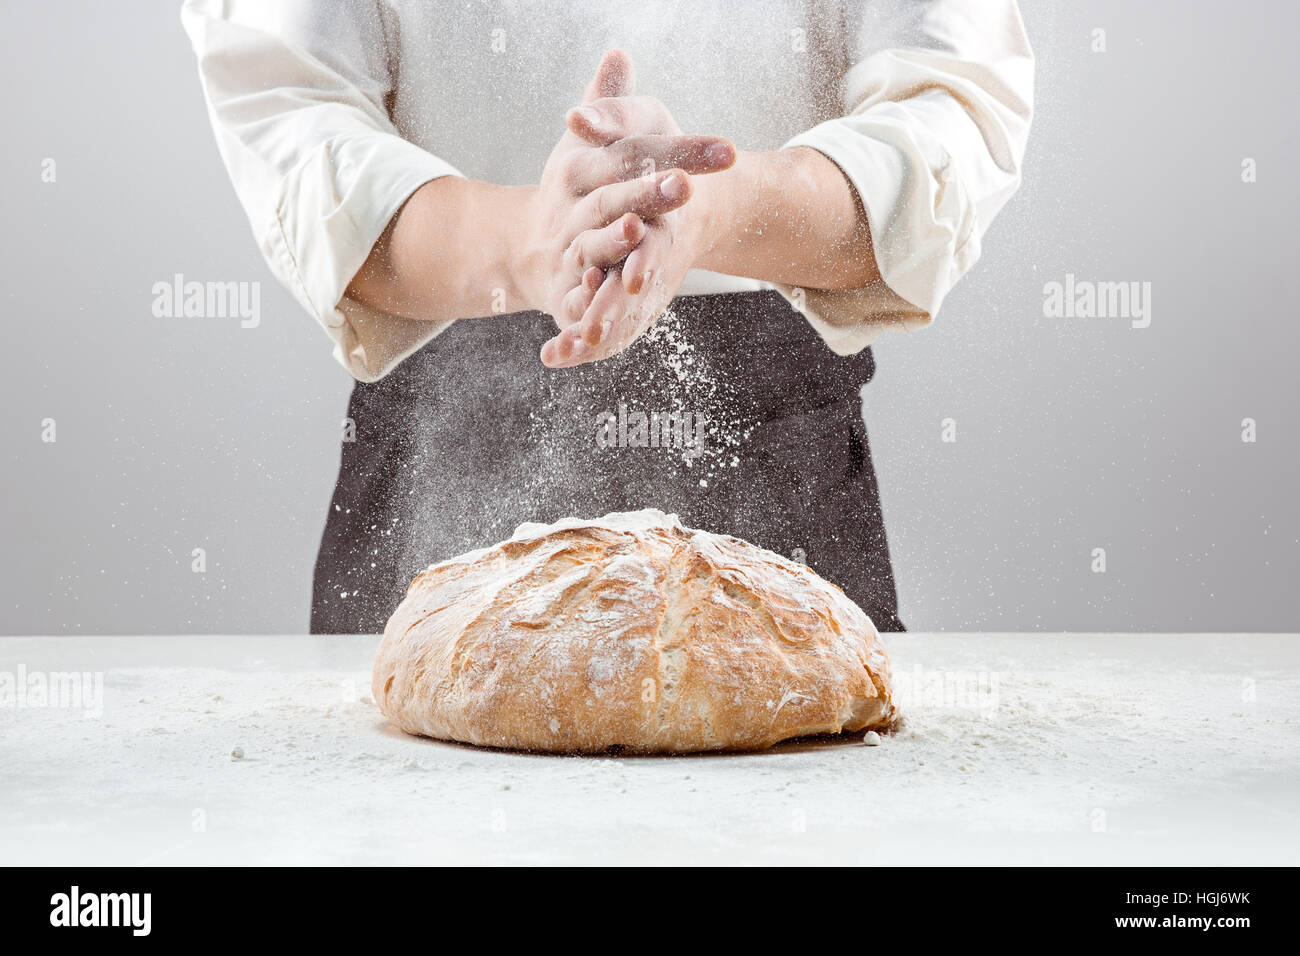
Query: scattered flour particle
<point x="555" y="726"/>
<point x="237" y="753"/>
<point x="872" y="739"/>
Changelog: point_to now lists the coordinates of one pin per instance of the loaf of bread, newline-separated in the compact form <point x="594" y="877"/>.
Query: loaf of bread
<point x="633" y="633"/>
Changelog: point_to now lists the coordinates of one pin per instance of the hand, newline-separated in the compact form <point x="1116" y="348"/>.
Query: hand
<point x="602" y="316"/>
<point x="590" y="209"/>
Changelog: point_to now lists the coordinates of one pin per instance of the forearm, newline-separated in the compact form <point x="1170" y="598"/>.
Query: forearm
<point x="451" y="252"/>
<point x="788" y="216"/>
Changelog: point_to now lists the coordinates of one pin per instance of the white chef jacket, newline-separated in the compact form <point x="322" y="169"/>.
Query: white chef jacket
<point x="329" y="114"/>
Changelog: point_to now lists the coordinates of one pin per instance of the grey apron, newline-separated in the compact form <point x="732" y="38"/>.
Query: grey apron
<point x="732" y="413"/>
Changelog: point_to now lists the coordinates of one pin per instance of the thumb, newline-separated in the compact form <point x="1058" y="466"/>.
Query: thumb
<point x="614" y="77"/>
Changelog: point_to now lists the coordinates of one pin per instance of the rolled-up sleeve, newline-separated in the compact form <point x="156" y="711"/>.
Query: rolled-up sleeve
<point x="296" y="95"/>
<point x="938" y="100"/>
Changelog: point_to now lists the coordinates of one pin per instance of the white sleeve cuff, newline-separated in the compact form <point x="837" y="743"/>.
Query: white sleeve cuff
<point x="923" y="225"/>
<point x="338" y="201"/>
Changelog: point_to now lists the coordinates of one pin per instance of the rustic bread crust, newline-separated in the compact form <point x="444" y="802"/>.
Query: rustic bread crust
<point x="628" y="632"/>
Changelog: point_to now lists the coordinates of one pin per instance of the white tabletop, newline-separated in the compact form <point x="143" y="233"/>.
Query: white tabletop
<point x="1168" y="749"/>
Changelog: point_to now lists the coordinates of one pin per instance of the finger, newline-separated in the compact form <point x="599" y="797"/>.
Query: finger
<point x="578" y="299"/>
<point x="647" y="197"/>
<point x="609" y="326"/>
<point x="644" y="155"/>
<point x="643" y="262"/>
<point x="565" y="349"/>
<point x="640" y="267"/>
<point x="568" y="347"/>
<point x="614" y="77"/>
<point x="607" y="246"/>
<point x="606" y="120"/>
<point x="608" y="317"/>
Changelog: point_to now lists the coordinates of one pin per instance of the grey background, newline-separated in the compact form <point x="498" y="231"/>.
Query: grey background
<point x="1072" y="434"/>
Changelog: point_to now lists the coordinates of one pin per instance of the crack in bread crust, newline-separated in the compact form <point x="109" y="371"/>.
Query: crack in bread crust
<point x="670" y="653"/>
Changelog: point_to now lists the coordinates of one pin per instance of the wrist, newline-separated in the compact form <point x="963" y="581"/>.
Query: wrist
<point x="728" y="214"/>
<point x="706" y="210"/>
<point x="522" y="259"/>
